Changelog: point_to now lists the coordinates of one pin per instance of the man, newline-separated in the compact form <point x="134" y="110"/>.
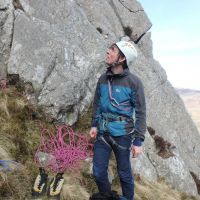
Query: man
<point x="119" y="118"/>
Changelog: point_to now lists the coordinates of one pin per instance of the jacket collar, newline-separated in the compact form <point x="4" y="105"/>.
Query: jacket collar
<point x="110" y="73"/>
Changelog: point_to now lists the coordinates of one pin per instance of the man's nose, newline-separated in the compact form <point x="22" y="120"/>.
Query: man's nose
<point x="108" y="51"/>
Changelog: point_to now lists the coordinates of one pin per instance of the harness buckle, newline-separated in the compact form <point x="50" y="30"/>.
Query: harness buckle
<point x="119" y="118"/>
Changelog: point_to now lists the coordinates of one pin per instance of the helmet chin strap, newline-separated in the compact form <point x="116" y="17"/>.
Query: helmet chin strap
<point x="116" y="63"/>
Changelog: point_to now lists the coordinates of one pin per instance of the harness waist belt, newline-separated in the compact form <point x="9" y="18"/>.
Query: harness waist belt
<point x="121" y="118"/>
<point x="112" y="118"/>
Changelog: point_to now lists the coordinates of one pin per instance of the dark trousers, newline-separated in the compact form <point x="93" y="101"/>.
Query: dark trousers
<point x="102" y="152"/>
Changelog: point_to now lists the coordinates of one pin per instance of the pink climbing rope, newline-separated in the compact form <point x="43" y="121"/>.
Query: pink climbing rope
<point x="63" y="150"/>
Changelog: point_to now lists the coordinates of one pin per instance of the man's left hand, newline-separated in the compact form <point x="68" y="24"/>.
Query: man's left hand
<point x="136" y="151"/>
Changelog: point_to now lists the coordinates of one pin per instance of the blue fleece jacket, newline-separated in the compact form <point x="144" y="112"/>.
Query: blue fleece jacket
<point x="120" y="95"/>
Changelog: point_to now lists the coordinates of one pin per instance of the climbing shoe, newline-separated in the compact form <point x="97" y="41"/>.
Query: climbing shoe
<point x="40" y="184"/>
<point x="55" y="186"/>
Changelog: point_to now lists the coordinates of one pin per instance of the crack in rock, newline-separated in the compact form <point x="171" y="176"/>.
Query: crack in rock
<point x="3" y="9"/>
<point x="143" y="34"/>
<point x="52" y="67"/>
<point x="121" y="22"/>
<point x="136" y="11"/>
<point x="3" y="20"/>
<point x="153" y="163"/>
<point x="115" y="11"/>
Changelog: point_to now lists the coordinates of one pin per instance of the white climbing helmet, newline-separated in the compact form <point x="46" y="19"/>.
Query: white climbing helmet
<point x="128" y="50"/>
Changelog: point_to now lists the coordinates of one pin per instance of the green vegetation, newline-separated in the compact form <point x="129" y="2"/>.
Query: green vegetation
<point x="19" y="136"/>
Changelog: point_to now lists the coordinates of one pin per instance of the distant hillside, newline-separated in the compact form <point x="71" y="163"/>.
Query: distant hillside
<point x="191" y="99"/>
<point x="185" y="92"/>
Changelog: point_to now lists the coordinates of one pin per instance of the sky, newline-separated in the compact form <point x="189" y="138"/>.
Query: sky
<point x="176" y="39"/>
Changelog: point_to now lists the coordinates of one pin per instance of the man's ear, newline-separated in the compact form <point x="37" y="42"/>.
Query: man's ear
<point x="122" y="59"/>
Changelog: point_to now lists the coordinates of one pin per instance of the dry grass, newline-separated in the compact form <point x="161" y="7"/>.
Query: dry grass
<point x="12" y="185"/>
<point x="19" y="136"/>
<point x="146" y="190"/>
<point x="72" y="190"/>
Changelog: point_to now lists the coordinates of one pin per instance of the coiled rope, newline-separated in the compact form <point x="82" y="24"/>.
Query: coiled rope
<point x="63" y="150"/>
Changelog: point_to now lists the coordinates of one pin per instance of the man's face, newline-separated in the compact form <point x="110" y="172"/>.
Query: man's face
<point x="112" y="54"/>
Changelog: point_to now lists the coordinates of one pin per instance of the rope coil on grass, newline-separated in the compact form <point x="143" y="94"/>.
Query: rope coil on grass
<point x="63" y="150"/>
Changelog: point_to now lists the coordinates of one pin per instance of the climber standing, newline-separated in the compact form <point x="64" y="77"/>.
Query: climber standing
<point x="118" y="119"/>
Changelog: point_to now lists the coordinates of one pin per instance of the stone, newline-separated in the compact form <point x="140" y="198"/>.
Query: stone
<point x="53" y="53"/>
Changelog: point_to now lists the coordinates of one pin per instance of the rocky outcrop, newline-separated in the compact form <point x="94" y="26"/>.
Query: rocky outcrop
<point x="175" y="125"/>
<point x="51" y="50"/>
<point x="59" y="47"/>
<point x="6" y="30"/>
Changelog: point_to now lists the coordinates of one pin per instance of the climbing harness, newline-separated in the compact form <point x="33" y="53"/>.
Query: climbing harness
<point x="113" y="143"/>
<point x="105" y="118"/>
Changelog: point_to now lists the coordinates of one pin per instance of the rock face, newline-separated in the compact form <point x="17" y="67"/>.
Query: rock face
<point x="6" y="31"/>
<point x="59" y="47"/>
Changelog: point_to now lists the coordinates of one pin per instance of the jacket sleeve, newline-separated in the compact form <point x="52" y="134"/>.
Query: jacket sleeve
<point x="96" y="106"/>
<point x="140" y="113"/>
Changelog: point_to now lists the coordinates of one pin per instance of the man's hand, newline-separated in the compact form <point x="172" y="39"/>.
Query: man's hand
<point x="93" y="132"/>
<point x="136" y="151"/>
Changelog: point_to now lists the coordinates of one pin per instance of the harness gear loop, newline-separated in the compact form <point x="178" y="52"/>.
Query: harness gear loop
<point x="103" y="139"/>
<point x="117" y="145"/>
<point x="105" y="118"/>
<point x="113" y="142"/>
<point x="109" y="117"/>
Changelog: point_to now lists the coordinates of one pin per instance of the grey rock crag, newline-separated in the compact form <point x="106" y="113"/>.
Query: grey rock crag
<point x="59" y="47"/>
